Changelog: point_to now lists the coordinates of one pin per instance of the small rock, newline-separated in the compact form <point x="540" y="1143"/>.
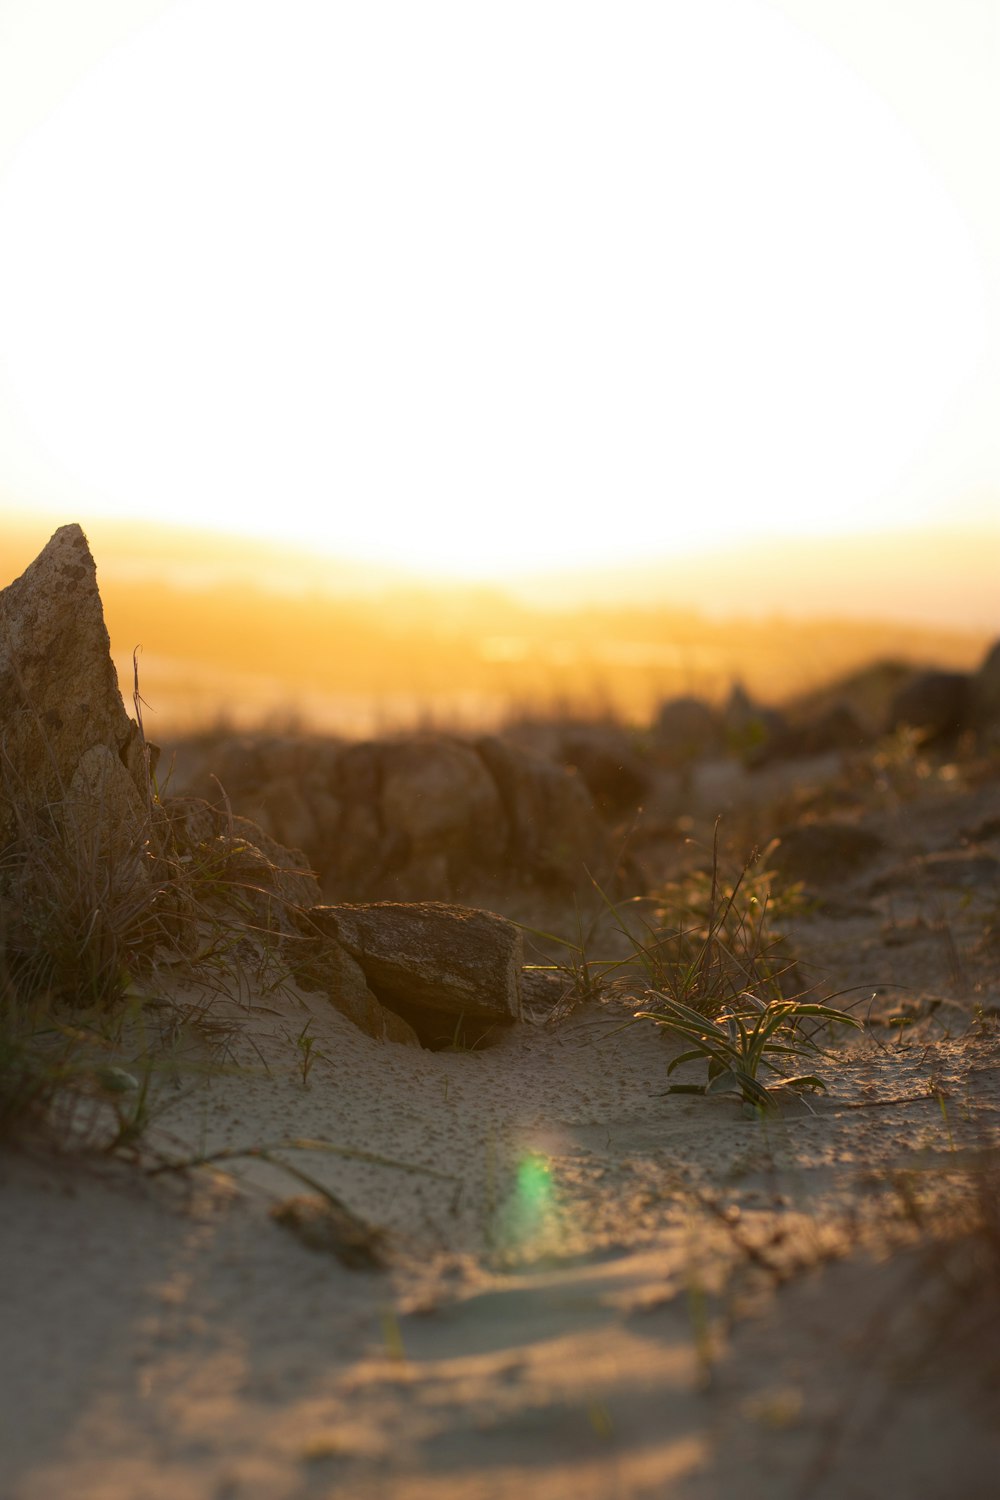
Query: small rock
<point x="441" y="803"/>
<point x="284" y="871"/>
<point x="432" y="961"/>
<point x="326" y="1225"/>
<point x="421" y="818"/>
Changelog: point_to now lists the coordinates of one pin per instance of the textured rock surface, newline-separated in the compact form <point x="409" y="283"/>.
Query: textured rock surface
<point x="243" y="851"/>
<point x="555" y="834"/>
<point x="440" y="800"/>
<point x="427" y="817"/>
<point x="59" y="695"/>
<point x="420" y="817"/>
<point x="432" y="961"/>
<point x="110" y="819"/>
<point x="321" y="964"/>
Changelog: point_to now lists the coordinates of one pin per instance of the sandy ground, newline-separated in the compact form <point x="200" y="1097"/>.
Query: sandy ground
<point x="585" y="1290"/>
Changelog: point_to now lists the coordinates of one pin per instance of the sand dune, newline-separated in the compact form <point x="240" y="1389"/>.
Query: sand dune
<point x="588" y="1289"/>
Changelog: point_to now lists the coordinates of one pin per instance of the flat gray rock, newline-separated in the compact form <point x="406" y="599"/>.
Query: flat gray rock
<point x="431" y="958"/>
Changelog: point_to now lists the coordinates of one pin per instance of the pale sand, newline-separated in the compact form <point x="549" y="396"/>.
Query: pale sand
<point x="563" y="1315"/>
<point x="538" y="1326"/>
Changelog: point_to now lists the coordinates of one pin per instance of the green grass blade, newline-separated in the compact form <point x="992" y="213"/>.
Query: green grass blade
<point x="801" y="1081"/>
<point x="692" y="1055"/>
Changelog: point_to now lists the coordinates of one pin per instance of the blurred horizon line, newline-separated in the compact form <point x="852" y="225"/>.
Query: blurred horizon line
<point x="923" y="575"/>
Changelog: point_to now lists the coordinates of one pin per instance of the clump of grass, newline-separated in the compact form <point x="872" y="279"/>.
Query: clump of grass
<point x="705" y="943"/>
<point x="748" y="1036"/>
<point x="718" y="983"/>
<point x="709" y="945"/>
<point x="572" y="962"/>
<point x="715" y="977"/>
<point x="100" y="915"/>
<point x="77" y="911"/>
<point x="309" y="1053"/>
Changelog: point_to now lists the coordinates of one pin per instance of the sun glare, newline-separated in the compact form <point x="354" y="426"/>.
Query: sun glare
<point x="476" y="287"/>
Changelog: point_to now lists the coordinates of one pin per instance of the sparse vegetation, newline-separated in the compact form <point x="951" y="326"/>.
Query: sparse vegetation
<point x="714" y="978"/>
<point x="97" y="928"/>
<point x="749" y="1035"/>
<point x="708" y="945"/>
<point x="719" y="986"/>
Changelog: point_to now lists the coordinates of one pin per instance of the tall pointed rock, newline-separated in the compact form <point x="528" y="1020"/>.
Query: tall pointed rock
<point x="60" y="707"/>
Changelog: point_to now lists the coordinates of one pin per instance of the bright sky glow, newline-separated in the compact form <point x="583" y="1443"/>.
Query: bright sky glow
<point x="484" y="286"/>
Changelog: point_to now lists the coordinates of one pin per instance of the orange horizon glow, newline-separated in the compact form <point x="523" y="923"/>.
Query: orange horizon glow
<point x="237" y="632"/>
<point x="937" y="575"/>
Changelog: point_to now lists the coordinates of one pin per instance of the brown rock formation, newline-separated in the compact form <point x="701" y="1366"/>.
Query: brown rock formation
<point x="436" y="965"/>
<point x="59" y="698"/>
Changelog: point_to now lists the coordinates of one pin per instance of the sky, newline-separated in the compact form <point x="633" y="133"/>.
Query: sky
<point x="476" y="287"/>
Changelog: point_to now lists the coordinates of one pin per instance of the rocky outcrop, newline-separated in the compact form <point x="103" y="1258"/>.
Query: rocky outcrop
<point x="65" y="729"/>
<point x="277" y="891"/>
<point x="420" y="818"/>
<point x="868" y="694"/>
<point x="427" y="809"/>
<point x="394" y="970"/>
<point x="554" y="835"/>
<point x="100" y="872"/>
<point x="426" y="817"/>
<point x="452" y="972"/>
<point x="935" y="703"/>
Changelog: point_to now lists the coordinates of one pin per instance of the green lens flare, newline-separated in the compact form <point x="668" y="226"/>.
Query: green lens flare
<point x="529" y="1208"/>
<point x="534" y="1182"/>
<point x="527" y="1216"/>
